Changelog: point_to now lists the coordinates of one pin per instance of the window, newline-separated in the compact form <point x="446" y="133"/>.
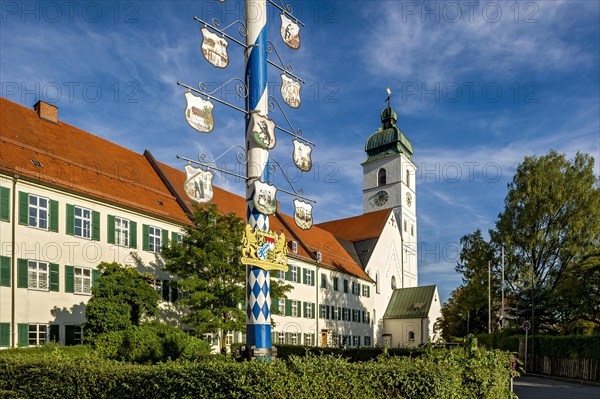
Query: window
<point x="356" y="340"/>
<point x="73" y="335"/>
<point x="355" y="315"/>
<point x="281" y="338"/>
<point x="336" y="340"/>
<point x="294" y="337"/>
<point x="82" y="280"/>
<point x="407" y="178"/>
<point x="345" y="314"/>
<point x="308" y="310"/>
<point x="323" y="280"/>
<point x="295" y="309"/>
<point x="281" y="307"/>
<point x="366" y="290"/>
<point x="308" y="339"/>
<point x="38" y="334"/>
<point x="209" y="338"/>
<point x="367" y="341"/>
<point x="405" y="228"/>
<point x="83" y="222"/>
<point x="154" y="239"/>
<point x="393" y="282"/>
<point x="412" y="230"/>
<point x="345" y="286"/>
<point x="335" y="313"/>
<point x="121" y="232"/>
<point x="38" y="212"/>
<point x="323" y="311"/>
<point x="335" y="283"/>
<point x="281" y="274"/>
<point x="307" y="277"/>
<point x="37" y="275"/>
<point x="294" y="271"/>
<point x="355" y="288"/>
<point x="295" y="247"/>
<point x="381" y="177"/>
<point x="411" y="335"/>
<point x="229" y="338"/>
<point x="4" y="206"/>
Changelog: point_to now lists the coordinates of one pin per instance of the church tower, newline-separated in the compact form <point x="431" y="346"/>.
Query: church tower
<point x="389" y="182"/>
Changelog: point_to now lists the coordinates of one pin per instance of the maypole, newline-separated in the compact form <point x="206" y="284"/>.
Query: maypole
<point x="258" y="298"/>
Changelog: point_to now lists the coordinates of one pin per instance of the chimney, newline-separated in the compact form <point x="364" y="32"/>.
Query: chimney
<point x="46" y="111"/>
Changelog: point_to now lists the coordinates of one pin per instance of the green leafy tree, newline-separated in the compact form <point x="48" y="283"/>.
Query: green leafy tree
<point x="550" y="228"/>
<point x="121" y="298"/>
<point x="207" y="261"/>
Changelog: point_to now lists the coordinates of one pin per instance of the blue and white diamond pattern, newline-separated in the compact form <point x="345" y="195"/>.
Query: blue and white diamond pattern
<point x="259" y="300"/>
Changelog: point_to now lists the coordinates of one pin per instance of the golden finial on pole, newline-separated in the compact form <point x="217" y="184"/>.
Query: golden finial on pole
<point x="389" y="97"/>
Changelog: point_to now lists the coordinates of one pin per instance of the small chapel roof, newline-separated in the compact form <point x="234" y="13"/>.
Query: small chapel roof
<point x="410" y="303"/>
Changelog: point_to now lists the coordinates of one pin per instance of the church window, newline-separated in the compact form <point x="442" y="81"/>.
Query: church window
<point x="377" y="282"/>
<point x="412" y="230"/>
<point x="381" y="177"/>
<point x="393" y="282"/>
<point x="407" y="178"/>
<point x="405" y="226"/>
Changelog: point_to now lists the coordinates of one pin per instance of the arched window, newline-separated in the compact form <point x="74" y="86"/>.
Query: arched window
<point x="407" y="178"/>
<point x="381" y="177"/>
<point x="377" y="282"/>
<point x="411" y="335"/>
<point x="393" y="282"/>
<point x="412" y="230"/>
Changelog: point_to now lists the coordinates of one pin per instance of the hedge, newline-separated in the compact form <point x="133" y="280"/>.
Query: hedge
<point x="352" y="354"/>
<point x="461" y="373"/>
<point x="557" y="347"/>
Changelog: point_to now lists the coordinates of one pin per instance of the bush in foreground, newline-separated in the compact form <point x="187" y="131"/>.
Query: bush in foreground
<point x="462" y="373"/>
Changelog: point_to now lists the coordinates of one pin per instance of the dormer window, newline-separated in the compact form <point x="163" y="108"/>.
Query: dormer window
<point x="381" y="177"/>
<point x="295" y="247"/>
<point x="37" y="163"/>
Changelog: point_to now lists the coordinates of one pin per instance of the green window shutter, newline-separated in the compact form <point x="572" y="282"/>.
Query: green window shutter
<point x="110" y="229"/>
<point x="53" y="216"/>
<point x="303" y="276"/>
<point x="288" y="274"/>
<point x="22" y="273"/>
<point x="323" y="280"/>
<point x="4" y="334"/>
<point x="69" y="335"/>
<point x="164" y="238"/>
<point x="95" y="275"/>
<point x="345" y="286"/>
<point x="4" y="271"/>
<point x="335" y="283"/>
<point x="54" y="277"/>
<point x="54" y="333"/>
<point x="69" y="279"/>
<point x="288" y="338"/>
<point x="23" y="208"/>
<point x="275" y="306"/>
<point x="339" y="313"/>
<point x="145" y="238"/>
<point x="368" y="291"/>
<point x="358" y="289"/>
<point x="133" y="234"/>
<point x="304" y="312"/>
<point x="70" y="219"/>
<point x="5" y="204"/>
<point x="165" y="290"/>
<point x="95" y="226"/>
<point x="174" y="237"/>
<point x="327" y="308"/>
<point x="312" y="278"/>
<point x="23" y="334"/>
<point x="288" y="307"/>
<point x="312" y="307"/>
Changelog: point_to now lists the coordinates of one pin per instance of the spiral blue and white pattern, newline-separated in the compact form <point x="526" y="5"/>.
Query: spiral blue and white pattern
<point x="258" y="298"/>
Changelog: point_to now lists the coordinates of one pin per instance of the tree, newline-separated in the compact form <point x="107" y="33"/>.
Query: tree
<point x="207" y="261"/>
<point x="122" y="298"/>
<point x="550" y="228"/>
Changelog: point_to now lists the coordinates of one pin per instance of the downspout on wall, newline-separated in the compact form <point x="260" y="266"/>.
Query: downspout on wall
<point x="13" y="271"/>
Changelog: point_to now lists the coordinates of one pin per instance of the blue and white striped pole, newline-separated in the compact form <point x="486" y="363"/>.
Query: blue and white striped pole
<point x="258" y="297"/>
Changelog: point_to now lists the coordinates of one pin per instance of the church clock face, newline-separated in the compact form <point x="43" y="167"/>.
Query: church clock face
<point x="408" y="199"/>
<point x="381" y="197"/>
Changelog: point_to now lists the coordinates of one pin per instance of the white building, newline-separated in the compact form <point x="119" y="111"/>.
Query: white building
<point x="70" y="200"/>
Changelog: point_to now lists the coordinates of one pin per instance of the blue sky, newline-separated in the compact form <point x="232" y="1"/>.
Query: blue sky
<point x="477" y="86"/>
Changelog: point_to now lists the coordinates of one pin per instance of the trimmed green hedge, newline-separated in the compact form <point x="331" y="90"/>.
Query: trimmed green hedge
<point x="352" y="354"/>
<point x="462" y="373"/>
<point x="559" y="347"/>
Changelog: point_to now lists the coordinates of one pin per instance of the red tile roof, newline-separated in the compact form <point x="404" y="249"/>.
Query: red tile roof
<point x="358" y="228"/>
<point x="88" y="165"/>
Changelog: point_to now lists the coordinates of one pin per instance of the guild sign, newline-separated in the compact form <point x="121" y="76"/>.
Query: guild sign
<point x="262" y="130"/>
<point x="301" y="156"/>
<point x="214" y="48"/>
<point x="264" y="198"/>
<point x="290" y="32"/>
<point x="264" y="249"/>
<point x="198" y="184"/>
<point x="290" y="91"/>
<point x="303" y="214"/>
<point x="198" y="113"/>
